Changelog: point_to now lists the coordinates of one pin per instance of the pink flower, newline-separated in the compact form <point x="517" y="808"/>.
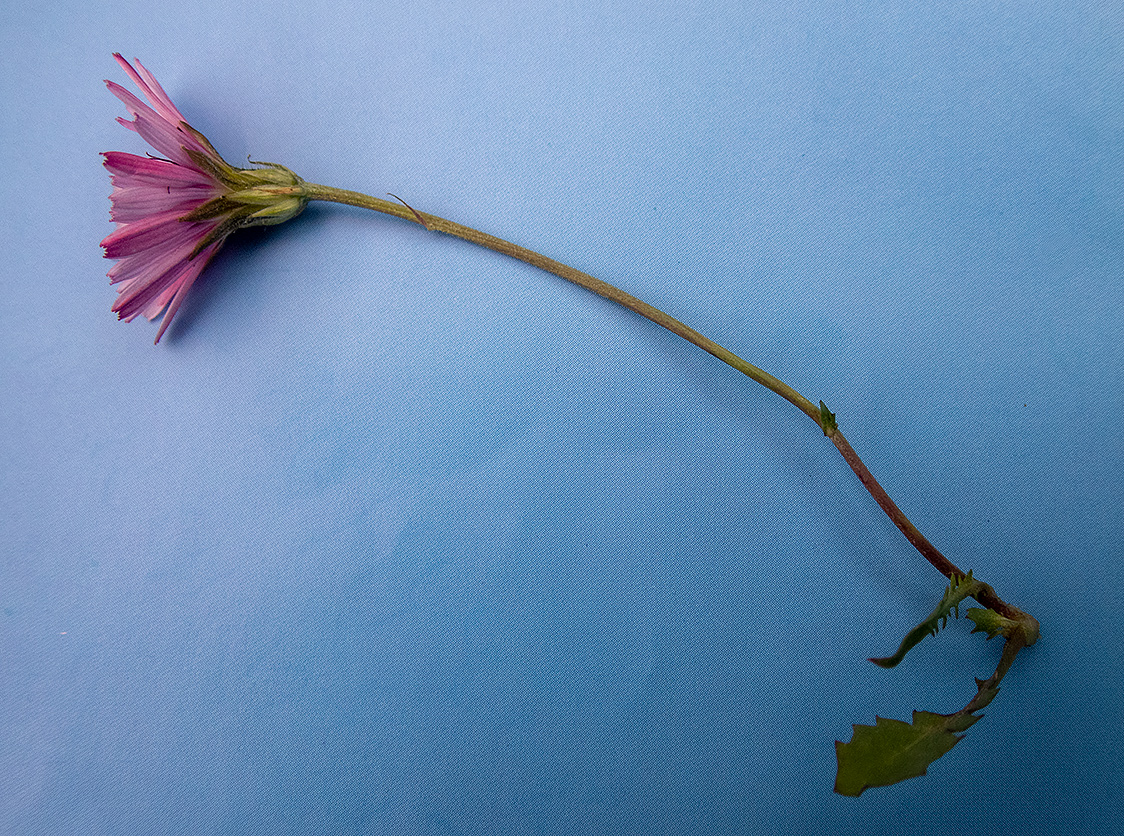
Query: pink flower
<point x="174" y="212"/>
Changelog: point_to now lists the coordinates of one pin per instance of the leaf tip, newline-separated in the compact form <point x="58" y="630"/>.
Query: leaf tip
<point x="827" y="421"/>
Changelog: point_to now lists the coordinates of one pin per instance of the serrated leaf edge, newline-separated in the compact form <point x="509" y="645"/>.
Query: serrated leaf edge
<point x="952" y="725"/>
<point x="959" y="588"/>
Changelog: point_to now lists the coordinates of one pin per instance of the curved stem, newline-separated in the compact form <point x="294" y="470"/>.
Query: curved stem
<point x="918" y="540"/>
<point x="614" y="294"/>
<point x="986" y="596"/>
<point x="819" y="414"/>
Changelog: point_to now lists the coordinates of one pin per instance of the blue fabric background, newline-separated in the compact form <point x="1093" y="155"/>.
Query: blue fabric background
<point x="394" y="535"/>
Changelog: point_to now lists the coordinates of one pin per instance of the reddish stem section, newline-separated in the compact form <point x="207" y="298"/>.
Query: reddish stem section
<point x="987" y="596"/>
<point x="918" y="540"/>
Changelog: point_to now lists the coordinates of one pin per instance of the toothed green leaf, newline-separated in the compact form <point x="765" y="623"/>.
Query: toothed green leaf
<point x="991" y="622"/>
<point x="891" y="750"/>
<point x="959" y="588"/>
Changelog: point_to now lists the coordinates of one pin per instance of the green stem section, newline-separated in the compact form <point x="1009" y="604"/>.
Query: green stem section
<point x="614" y="294"/>
<point x="824" y="420"/>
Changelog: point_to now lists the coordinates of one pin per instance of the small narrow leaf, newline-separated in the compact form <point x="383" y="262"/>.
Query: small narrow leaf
<point x="891" y="750"/>
<point x="827" y="420"/>
<point x="991" y="622"/>
<point x="986" y="691"/>
<point x="959" y="588"/>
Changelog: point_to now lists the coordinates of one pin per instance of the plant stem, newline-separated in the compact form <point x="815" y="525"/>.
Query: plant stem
<point x="437" y="224"/>
<point x="475" y="236"/>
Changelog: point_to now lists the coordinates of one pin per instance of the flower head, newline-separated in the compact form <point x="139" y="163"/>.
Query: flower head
<point x="174" y="211"/>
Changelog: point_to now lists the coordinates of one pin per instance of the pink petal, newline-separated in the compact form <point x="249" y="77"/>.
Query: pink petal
<point x="156" y="131"/>
<point x="165" y="136"/>
<point x="155" y="231"/>
<point x="170" y="287"/>
<point x="152" y="89"/>
<point x="151" y="277"/>
<point x="183" y="285"/>
<point x="151" y="262"/>
<point x="131" y="204"/>
<point x="155" y="170"/>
